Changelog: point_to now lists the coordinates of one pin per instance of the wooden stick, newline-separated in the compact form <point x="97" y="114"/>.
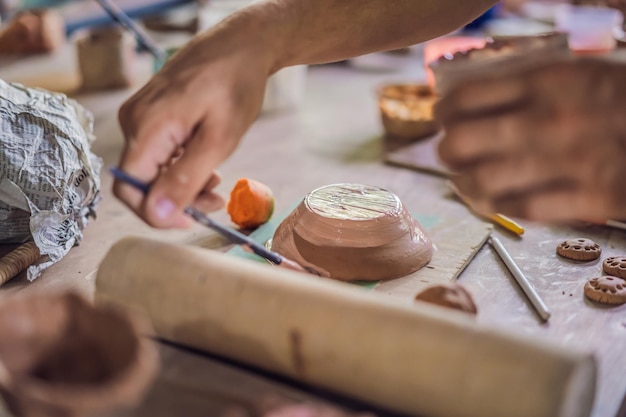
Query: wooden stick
<point x="521" y="279"/>
<point x="18" y="260"/>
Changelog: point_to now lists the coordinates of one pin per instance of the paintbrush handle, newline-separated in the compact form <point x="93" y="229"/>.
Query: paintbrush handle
<point x="130" y="180"/>
<point x="500" y="219"/>
<point x="234" y="236"/>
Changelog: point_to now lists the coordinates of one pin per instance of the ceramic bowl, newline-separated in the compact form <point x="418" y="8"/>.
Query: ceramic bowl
<point x="353" y="232"/>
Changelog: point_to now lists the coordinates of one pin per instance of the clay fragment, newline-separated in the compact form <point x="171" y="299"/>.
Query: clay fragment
<point x="451" y="296"/>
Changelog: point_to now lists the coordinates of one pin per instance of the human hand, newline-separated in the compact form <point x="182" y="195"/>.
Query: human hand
<point x="205" y="98"/>
<point x="189" y="118"/>
<point x="546" y="144"/>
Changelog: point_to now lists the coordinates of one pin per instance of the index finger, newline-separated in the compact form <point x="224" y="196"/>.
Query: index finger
<point x="481" y="97"/>
<point x="183" y="181"/>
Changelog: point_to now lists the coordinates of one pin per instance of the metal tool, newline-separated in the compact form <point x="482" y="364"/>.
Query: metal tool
<point x="232" y="235"/>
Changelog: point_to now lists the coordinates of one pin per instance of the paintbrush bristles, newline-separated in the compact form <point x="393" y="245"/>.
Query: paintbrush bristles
<point x="289" y="264"/>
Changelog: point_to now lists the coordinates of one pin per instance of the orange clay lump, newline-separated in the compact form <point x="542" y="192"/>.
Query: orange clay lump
<point x="251" y="203"/>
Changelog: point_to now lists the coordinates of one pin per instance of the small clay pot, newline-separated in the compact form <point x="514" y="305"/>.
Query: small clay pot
<point x="60" y="356"/>
<point x="407" y="111"/>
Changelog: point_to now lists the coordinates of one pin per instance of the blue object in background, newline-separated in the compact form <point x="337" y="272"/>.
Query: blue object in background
<point x="137" y="10"/>
<point x="484" y="18"/>
<point x="80" y="14"/>
<point x="36" y="4"/>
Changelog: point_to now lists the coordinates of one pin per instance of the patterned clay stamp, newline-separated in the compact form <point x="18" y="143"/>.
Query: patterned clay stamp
<point x="606" y="290"/>
<point x="615" y="265"/>
<point x="579" y="249"/>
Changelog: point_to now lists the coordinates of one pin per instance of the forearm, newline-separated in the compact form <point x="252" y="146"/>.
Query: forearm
<point x="319" y="31"/>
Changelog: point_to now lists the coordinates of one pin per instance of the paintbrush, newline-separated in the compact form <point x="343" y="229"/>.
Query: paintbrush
<point x="232" y="235"/>
<point x="500" y="219"/>
<point x="126" y="22"/>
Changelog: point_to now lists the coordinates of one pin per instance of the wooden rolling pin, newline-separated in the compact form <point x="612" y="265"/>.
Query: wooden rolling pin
<point x="18" y="260"/>
<point x="416" y="359"/>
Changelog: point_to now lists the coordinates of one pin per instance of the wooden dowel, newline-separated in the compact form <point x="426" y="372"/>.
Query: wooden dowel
<point x="18" y="260"/>
<point x="525" y="285"/>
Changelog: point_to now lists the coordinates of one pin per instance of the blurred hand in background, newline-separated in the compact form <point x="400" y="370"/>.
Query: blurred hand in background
<point x="547" y="144"/>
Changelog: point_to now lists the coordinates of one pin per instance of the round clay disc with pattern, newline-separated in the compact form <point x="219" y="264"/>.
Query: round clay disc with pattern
<point x="580" y="249"/>
<point x="615" y="265"/>
<point x="606" y="290"/>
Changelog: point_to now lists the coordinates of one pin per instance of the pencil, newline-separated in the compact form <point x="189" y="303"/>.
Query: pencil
<point x="521" y="279"/>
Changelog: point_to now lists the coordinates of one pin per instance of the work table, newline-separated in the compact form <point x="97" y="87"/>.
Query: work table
<point x="335" y="136"/>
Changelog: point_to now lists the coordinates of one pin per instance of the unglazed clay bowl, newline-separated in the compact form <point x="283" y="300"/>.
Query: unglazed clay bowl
<point x="353" y="232"/>
<point x="60" y="356"/>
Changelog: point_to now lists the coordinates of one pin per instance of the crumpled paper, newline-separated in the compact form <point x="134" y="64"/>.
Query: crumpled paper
<point x="49" y="178"/>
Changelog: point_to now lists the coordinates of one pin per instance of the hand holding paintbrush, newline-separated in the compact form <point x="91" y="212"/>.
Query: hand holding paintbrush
<point x="232" y="235"/>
